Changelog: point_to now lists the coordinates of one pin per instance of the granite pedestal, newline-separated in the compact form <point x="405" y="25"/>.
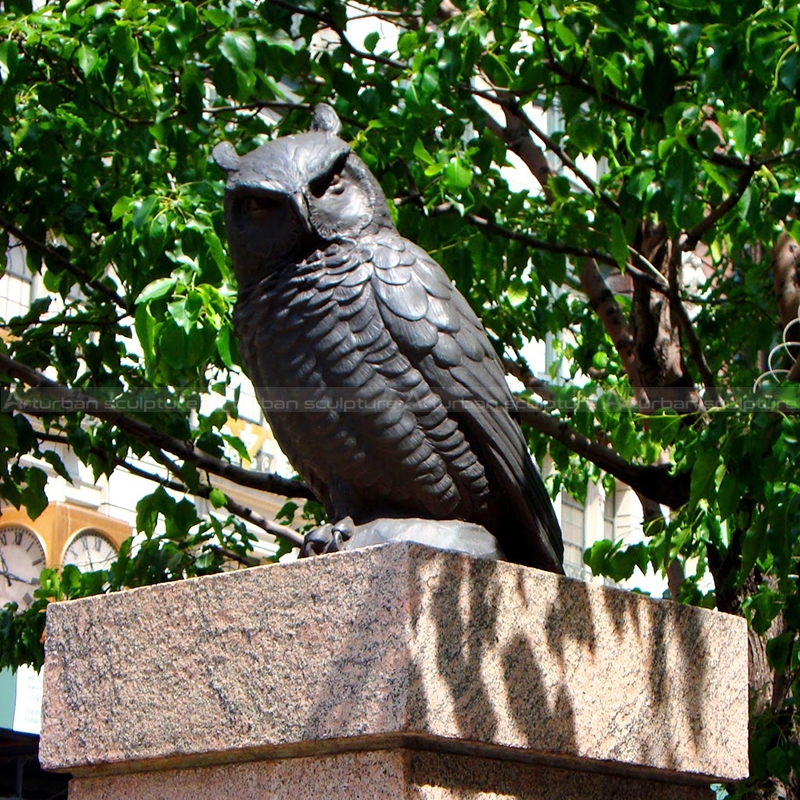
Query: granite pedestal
<point x="397" y="671"/>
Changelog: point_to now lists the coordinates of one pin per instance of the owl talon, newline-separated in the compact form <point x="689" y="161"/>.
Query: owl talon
<point x="328" y="538"/>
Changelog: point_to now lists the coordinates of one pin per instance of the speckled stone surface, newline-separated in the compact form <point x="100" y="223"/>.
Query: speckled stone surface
<point x="382" y="775"/>
<point x="393" y="646"/>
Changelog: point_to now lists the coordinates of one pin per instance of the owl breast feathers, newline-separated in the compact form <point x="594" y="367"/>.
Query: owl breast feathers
<point x="375" y="375"/>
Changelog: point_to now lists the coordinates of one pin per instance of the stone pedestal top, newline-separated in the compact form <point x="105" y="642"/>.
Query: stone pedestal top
<point x="394" y="646"/>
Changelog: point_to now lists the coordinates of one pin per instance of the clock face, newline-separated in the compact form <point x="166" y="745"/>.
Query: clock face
<point x="89" y="551"/>
<point x="22" y="558"/>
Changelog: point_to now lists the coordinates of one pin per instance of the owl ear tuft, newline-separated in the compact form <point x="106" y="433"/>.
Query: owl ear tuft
<point x="225" y="156"/>
<point x="325" y="119"/>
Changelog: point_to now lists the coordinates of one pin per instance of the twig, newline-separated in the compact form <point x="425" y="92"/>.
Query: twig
<point x="117" y="115"/>
<point x="517" y="137"/>
<point x="58" y="258"/>
<point x="523" y="373"/>
<point x="235" y="507"/>
<point x="147" y="434"/>
<point x="278" y="105"/>
<point x="656" y="481"/>
<point x="651" y="276"/>
<point x="329" y="22"/>
<point x="590" y="184"/>
<point x="575" y="79"/>
<point x="204" y="490"/>
<point x="687" y="326"/>
<point x="519" y="236"/>
<point x="694" y="235"/>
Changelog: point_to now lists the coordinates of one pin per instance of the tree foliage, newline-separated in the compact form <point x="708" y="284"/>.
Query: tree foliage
<point x="111" y="109"/>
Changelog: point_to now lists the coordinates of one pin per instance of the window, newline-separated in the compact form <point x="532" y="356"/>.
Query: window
<point x="573" y="517"/>
<point x="16" y="285"/>
<point x="609" y="516"/>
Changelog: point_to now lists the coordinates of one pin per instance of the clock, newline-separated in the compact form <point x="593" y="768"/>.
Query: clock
<point x="22" y="558"/>
<point x="89" y="551"/>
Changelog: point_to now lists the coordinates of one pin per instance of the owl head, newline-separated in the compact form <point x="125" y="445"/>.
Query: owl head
<point x="295" y="195"/>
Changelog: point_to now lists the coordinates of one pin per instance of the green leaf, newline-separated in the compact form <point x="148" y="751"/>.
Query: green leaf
<point x="585" y="133"/>
<point x="596" y="556"/>
<point x="703" y="473"/>
<point x="728" y="496"/>
<point x="194" y="304"/>
<point x="142" y="210"/>
<point x="157" y="288"/>
<point x="407" y="44"/>
<point x="54" y="460"/>
<point x="33" y="494"/>
<point x="9" y="56"/>
<point x="752" y="546"/>
<point x="778" y="651"/>
<point x="560" y="186"/>
<point x="457" y="176"/>
<point x="217" y="498"/>
<point x="211" y="443"/>
<point x="224" y="346"/>
<point x="216" y="250"/>
<point x="238" y="445"/>
<point x="619" y="243"/>
<point x="8" y="430"/>
<point x="145" y="326"/>
<point x="121" y="207"/>
<point x="371" y="41"/>
<point x="173" y="345"/>
<point x="87" y="59"/>
<point x="744" y="129"/>
<point x="123" y="45"/>
<point x="239" y="49"/>
<point x="422" y="154"/>
<point x="517" y="293"/>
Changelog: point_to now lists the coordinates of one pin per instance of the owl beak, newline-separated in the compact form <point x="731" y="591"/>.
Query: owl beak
<point x="301" y="207"/>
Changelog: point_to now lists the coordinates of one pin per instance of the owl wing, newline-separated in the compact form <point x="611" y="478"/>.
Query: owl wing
<point x="435" y="328"/>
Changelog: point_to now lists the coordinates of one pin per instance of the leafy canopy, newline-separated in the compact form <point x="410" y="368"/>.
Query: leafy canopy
<point x="690" y="108"/>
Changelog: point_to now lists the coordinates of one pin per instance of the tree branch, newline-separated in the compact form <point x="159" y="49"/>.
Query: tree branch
<point x="575" y="80"/>
<point x="518" y="139"/>
<point x="600" y="296"/>
<point x="655" y="482"/>
<point x="204" y="490"/>
<point x="58" y="258"/>
<point x="146" y="434"/>
<point x="240" y="510"/>
<point x="649" y="274"/>
<point x="605" y="305"/>
<point x="694" y="235"/>
<point x="278" y="105"/>
<point x="522" y="372"/>
<point x="328" y="21"/>
<point x="687" y="327"/>
<point x="513" y="108"/>
<point x="524" y="238"/>
<point x="696" y="350"/>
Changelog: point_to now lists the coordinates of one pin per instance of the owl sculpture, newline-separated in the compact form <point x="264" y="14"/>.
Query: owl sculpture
<point x="376" y="377"/>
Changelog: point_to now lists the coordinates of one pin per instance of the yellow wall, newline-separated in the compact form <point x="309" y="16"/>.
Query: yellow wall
<point x="59" y="522"/>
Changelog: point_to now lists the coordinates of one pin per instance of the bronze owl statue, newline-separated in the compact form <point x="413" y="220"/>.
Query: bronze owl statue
<point x="401" y="408"/>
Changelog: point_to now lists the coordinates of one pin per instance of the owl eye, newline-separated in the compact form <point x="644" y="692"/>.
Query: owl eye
<point x="331" y="181"/>
<point x="257" y="207"/>
<point x="337" y="185"/>
<point x="320" y="186"/>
